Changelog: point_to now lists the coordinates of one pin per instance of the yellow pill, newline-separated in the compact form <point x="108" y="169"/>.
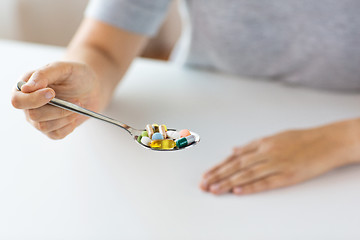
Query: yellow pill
<point x="149" y="130"/>
<point x="162" y="130"/>
<point x="165" y="144"/>
<point x="155" y="127"/>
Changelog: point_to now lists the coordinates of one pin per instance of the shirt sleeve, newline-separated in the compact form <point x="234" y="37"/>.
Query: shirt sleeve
<point x="140" y="16"/>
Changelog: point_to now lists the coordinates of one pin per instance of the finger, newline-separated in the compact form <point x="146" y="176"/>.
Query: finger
<point x="223" y="171"/>
<point x="229" y="168"/>
<point x="236" y="151"/>
<point x="25" y="77"/>
<point x="47" y="113"/>
<point x="219" y="165"/>
<point x="32" y="100"/>
<point x="52" y="125"/>
<point x="62" y="132"/>
<point x="247" y="176"/>
<point x="252" y="159"/>
<point x="50" y="74"/>
<point x="267" y="183"/>
<point x="252" y="146"/>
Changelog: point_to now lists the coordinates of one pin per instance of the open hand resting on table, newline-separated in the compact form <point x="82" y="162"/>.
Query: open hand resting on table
<point x="71" y="81"/>
<point x="285" y="159"/>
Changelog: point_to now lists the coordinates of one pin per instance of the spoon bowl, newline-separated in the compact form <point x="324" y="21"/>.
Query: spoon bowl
<point x="132" y="131"/>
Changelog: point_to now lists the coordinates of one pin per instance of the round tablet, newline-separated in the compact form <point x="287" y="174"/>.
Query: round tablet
<point x="146" y="141"/>
<point x="173" y="134"/>
<point x="157" y="136"/>
<point x="184" y="133"/>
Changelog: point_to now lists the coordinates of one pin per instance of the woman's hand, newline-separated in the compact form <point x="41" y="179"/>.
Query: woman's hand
<point x="70" y="81"/>
<point x="285" y="159"/>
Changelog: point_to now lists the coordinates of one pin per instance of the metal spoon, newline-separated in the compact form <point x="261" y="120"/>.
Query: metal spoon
<point x="132" y="131"/>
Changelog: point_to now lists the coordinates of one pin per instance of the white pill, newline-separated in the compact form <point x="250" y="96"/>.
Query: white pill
<point x="146" y="141"/>
<point x="173" y="134"/>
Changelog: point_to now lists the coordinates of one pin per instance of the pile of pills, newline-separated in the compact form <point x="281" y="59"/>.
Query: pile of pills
<point x="158" y="137"/>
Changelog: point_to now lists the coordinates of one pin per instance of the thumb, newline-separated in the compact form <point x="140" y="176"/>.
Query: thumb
<point x="53" y="73"/>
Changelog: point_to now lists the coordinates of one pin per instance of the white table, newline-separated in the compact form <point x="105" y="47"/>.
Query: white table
<point x="98" y="184"/>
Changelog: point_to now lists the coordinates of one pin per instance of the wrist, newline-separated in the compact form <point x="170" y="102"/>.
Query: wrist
<point x="105" y="73"/>
<point x="107" y="91"/>
<point x="349" y="140"/>
<point x="354" y="138"/>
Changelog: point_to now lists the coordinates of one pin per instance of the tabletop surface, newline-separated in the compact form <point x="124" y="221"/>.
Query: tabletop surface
<point x="98" y="184"/>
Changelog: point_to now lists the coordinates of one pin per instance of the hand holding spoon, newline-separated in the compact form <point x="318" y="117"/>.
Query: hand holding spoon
<point x="132" y="131"/>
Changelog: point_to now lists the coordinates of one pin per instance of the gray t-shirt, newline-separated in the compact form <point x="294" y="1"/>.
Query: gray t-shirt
<point x="305" y="42"/>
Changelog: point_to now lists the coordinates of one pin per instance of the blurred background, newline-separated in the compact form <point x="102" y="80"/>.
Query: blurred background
<point x="54" y="22"/>
<point x="41" y="21"/>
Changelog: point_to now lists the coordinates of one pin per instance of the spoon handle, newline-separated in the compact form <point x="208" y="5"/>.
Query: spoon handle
<point x="77" y="109"/>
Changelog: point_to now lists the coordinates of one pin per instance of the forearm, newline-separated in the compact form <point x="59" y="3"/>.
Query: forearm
<point x="108" y="52"/>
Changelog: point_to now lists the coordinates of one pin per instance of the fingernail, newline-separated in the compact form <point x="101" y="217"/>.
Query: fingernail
<point x="49" y="95"/>
<point x="204" y="183"/>
<point x="237" y="190"/>
<point x="215" y="188"/>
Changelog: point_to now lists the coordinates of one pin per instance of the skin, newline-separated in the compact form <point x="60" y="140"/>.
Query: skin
<point x="96" y="60"/>
<point x="285" y="159"/>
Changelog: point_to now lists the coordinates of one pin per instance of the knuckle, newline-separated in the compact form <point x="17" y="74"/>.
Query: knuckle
<point x="40" y="74"/>
<point x="51" y="65"/>
<point x="66" y="68"/>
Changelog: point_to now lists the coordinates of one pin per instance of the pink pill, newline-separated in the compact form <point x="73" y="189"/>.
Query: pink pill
<point x="184" y="133"/>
